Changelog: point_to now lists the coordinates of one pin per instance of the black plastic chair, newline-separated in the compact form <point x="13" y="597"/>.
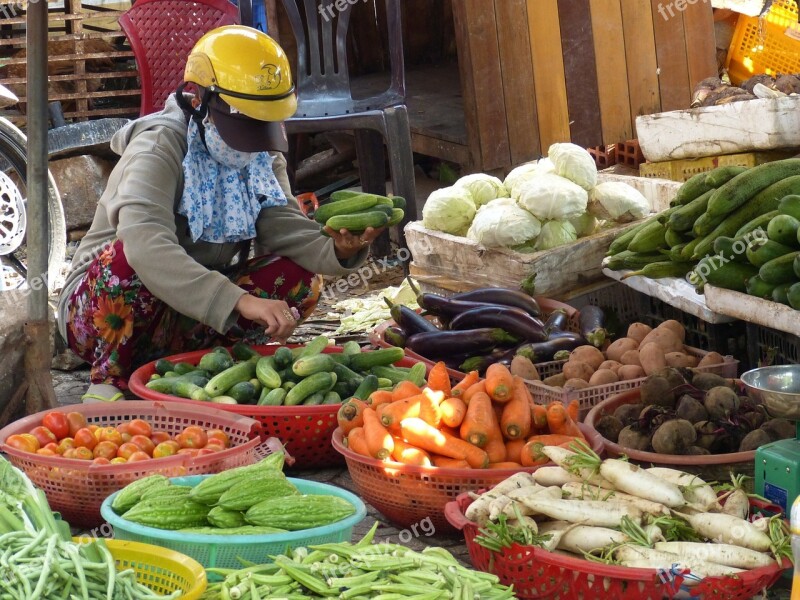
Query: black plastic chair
<point x="325" y="101"/>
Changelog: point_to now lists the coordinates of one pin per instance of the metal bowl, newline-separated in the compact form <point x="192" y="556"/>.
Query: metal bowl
<point x="778" y="388"/>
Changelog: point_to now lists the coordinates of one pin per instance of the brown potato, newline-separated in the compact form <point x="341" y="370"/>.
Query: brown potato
<point x="628" y="372"/>
<point x="555" y="380"/>
<point x="652" y="357"/>
<point x="603" y="377"/>
<point x="620" y="347"/>
<point x="712" y="358"/>
<point x="666" y="339"/>
<point x="638" y="331"/>
<point x="588" y="354"/>
<point x="576" y="384"/>
<point x="610" y="364"/>
<point x="676" y="328"/>
<point x="576" y="369"/>
<point x="678" y="359"/>
<point x="522" y="366"/>
<point x="631" y="357"/>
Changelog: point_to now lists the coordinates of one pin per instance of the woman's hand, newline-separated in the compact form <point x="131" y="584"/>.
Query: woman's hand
<point x="274" y="315"/>
<point x="348" y="245"/>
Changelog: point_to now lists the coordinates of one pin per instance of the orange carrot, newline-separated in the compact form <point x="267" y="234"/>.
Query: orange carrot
<point x="462" y="386"/>
<point x="379" y="441"/>
<point x="480" y="386"/>
<point x="410" y="455"/>
<point x="392" y="414"/>
<point x="350" y="415"/>
<point x="559" y="421"/>
<point x="573" y="410"/>
<point x="439" y="378"/>
<point x="505" y="464"/>
<point x="496" y="449"/>
<point x="531" y="455"/>
<point x="357" y="442"/>
<point x="450" y="430"/>
<point x="405" y="389"/>
<point x="480" y="421"/>
<point x="539" y="417"/>
<point x="516" y="419"/>
<point x="499" y="382"/>
<point x="453" y="411"/>
<point x="449" y="463"/>
<point x="379" y="397"/>
<point x="429" y="406"/>
<point x="552" y="439"/>
<point x="418" y="433"/>
<point x="514" y="449"/>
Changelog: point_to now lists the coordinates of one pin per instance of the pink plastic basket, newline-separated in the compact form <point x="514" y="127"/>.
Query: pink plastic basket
<point x="537" y="573"/>
<point x="76" y="488"/>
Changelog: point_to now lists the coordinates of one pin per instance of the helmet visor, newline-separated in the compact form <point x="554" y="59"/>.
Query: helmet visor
<point x="243" y="133"/>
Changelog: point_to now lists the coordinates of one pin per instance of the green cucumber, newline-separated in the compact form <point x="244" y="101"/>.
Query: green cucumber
<point x="688" y="250"/>
<point x="758" y="288"/>
<point x="632" y="260"/>
<point x="398" y="214"/>
<point x="385" y="356"/>
<point x="722" y="273"/>
<point x="399" y="202"/>
<point x="215" y="362"/>
<point x="288" y="385"/>
<point x="351" y="347"/>
<point x="332" y="398"/>
<point x="417" y="374"/>
<point x="243" y="392"/>
<point x="391" y="373"/>
<point x="722" y="175"/>
<point x="186" y="389"/>
<point x="314" y="399"/>
<point x="344" y="389"/>
<point x="693" y="188"/>
<point x="309" y="365"/>
<point x="182" y="368"/>
<point x="266" y="372"/>
<point x="779" y="270"/>
<point x="223" y="400"/>
<point x="340" y="358"/>
<point x="318" y="382"/>
<point x="783" y="229"/>
<point x="357" y="223"/>
<point x="736" y="192"/>
<point x="163" y="366"/>
<point x="163" y="385"/>
<point x="760" y="222"/>
<point x="761" y="251"/>
<point x="223" y="350"/>
<point x="730" y="248"/>
<point x="797" y="267"/>
<point x="649" y="239"/>
<point x="706" y="223"/>
<point x="793" y="296"/>
<point x="257" y="385"/>
<point x="369" y="385"/>
<point x="340" y="195"/>
<point x="781" y="293"/>
<point x="675" y="253"/>
<point x="222" y="382"/>
<point x="345" y="374"/>
<point x="242" y="351"/>
<point x="387" y="210"/>
<point x="315" y="346"/>
<point x="344" y="207"/>
<point x="283" y="357"/>
<point x="675" y="238"/>
<point x="272" y="397"/>
<point x="685" y="217"/>
<point x="621" y="242"/>
<point x="660" y="270"/>
<point x="790" y="205"/>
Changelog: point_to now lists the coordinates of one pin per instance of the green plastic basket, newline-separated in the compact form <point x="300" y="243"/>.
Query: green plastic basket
<point x="225" y="551"/>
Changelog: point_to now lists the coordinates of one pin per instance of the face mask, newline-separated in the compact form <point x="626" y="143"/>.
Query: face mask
<point x="221" y="152"/>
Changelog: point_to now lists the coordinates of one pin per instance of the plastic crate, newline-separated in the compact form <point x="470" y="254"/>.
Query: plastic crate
<point x="768" y="45"/>
<point x="215" y="551"/>
<point x="770" y="347"/>
<point x="684" y="169"/>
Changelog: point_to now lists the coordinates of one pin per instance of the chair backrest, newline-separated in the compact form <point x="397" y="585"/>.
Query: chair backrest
<point x="322" y="78"/>
<point x="162" y="33"/>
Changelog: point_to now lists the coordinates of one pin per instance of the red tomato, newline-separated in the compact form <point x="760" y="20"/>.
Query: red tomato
<point x="212" y="449"/>
<point x="65" y="445"/>
<point x="160" y="436"/>
<point x="138" y="457"/>
<point x="145" y="444"/>
<point x="215" y="445"/>
<point x="43" y="435"/>
<point x="139" y="427"/>
<point x="190" y="451"/>
<point x="94" y="428"/>
<point x="218" y="434"/>
<point x="57" y="423"/>
<point x="118" y="460"/>
<point x="107" y="450"/>
<point x="101" y="460"/>
<point x="85" y="438"/>
<point x="76" y="421"/>
<point x="110" y="434"/>
<point x="123" y="428"/>
<point x="166" y="449"/>
<point x="52" y="446"/>
<point x="83" y="454"/>
<point x="46" y="452"/>
<point x="192" y="437"/>
<point x="32" y="440"/>
<point x="69" y="453"/>
<point x="127" y="449"/>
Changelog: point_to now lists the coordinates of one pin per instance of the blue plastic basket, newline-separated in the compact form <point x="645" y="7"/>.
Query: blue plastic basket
<point x="225" y="551"/>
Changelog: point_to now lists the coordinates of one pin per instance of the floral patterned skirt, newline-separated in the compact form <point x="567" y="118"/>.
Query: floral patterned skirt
<point x="116" y="325"/>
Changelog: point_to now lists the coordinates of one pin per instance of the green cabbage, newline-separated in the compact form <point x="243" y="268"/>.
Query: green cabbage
<point x="523" y="173"/>
<point x="549" y="196"/>
<point x="617" y="201"/>
<point x="502" y="223"/>
<point x="556" y="233"/>
<point x="484" y="188"/>
<point x="585" y="225"/>
<point x="574" y="163"/>
<point x="450" y="210"/>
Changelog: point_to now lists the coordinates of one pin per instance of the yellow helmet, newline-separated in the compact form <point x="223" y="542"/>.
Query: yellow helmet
<point x="247" y="68"/>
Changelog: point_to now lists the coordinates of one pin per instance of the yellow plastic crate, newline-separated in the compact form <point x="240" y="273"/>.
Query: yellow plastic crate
<point x="768" y="45"/>
<point x="683" y="169"/>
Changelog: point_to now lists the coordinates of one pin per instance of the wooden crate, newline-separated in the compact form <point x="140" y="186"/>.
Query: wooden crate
<point x="456" y="263"/>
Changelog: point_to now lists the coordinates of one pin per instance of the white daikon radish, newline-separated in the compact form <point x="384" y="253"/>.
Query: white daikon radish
<point x="658" y="559"/>
<point x="634" y="480"/>
<point x="525" y="522"/>
<point x="737" y="502"/>
<point x="585" y="539"/>
<point x="723" y="554"/>
<point x="696" y="491"/>
<point x="517" y="496"/>
<point x="584" y="512"/>
<point x="727" y="529"/>
<point x="591" y="492"/>
<point x="550" y="476"/>
<point x="478" y="511"/>
<point x="497" y="506"/>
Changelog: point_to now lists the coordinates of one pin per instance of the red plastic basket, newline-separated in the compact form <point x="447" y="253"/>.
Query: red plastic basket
<point x="306" y="430"/>
<point x="546" y="304"/>
<point x="408" y="494"/>
<point x="77" y="488"/>
<point x="537" y="573"/>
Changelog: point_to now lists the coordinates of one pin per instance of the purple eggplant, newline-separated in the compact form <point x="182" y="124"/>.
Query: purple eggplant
<point x="409" y="320"/>
<point x="481" y="363"/>
<point x="503" y="297"/>
<point x="545" y="351"/>
<point x="447" y="307"/>
<point x="395" y="336"/>
<point x="592" y="325"/>
<point x="557" y="321"/>
<point x="513" y="320"/>
<point x="439" y="344"/>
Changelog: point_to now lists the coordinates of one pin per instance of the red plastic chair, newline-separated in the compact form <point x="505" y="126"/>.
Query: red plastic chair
<point x="162" y="33"/>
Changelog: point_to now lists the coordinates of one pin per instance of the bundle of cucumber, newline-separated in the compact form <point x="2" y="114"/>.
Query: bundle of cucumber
<point x="732" y="227"/>
<point x="355" y="211"/>
<point x="304" y="375"/>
